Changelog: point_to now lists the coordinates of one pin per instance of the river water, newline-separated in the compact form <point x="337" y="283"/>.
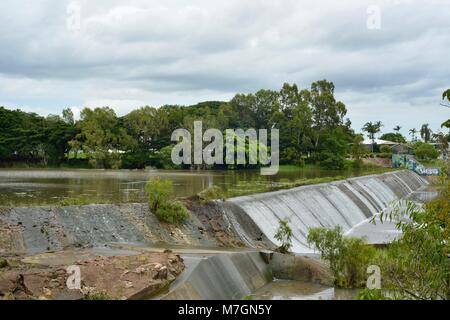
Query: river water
<point x="33" y="187"/>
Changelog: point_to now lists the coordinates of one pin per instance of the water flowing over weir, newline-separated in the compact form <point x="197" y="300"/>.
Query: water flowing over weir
<point x="346" y="203"/>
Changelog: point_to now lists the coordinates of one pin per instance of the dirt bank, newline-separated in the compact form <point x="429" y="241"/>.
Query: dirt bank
<point x="116" y="277"/>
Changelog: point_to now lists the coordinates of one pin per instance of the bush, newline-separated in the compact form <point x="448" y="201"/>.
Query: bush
<point x="424" y="151"/>
<point x="386" y="149"/>
<point x="212" y="193"/>
<point x="3" y="263"/>
<point x="159" y="192"/>
<point x="348" y="257"/>
<point x="174" y="212"/>
<point x="284" y="235"/>
<point x="161" y="197"/>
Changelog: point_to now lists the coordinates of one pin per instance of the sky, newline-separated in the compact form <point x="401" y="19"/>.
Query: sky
<point x="389" y="59"/>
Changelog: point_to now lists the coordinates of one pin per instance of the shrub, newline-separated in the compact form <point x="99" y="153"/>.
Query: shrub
<point x="348" y="257"/>
<point x="161" y="197"/>
<point x="386" y="149"/>
<point x="211" y="193"/>
<point x="424" y="151"/>
<point x="284" y="235"/>
<point x="159" y="192"/>
<point x="173" y="212"/>
<point x="3" y="263"/>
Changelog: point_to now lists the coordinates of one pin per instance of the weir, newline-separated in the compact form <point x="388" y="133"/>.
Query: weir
<point x="347" y="203"/>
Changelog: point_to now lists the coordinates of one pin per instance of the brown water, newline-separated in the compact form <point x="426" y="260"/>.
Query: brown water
<point x="300" y="290"/>
<point x="47" y="186"/>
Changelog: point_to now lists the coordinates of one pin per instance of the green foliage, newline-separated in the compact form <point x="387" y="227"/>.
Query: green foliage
<point x="172" y="212"/>
<point x="159" y="192"/>
<point x="3" y="263"/>
<point x="371" y="294"/>
<point x="394" y="137"/>
<point x="284" y="235"/>
<point x="418" y="264"/>
<point x="424" y="151"/>
<point x="161" y="201"/>
<point x="211" y="193"/>
<point x="386" y="149"/>
<point x="372" y="129"/>
<point x="348" y="257"/>
<point x="98" y="296"/>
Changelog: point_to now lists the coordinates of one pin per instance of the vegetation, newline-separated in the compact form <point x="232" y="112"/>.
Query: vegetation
<point x="424" y="151"/>
<point x="3" y="263"/>
<point x="394" y="137"/>
<point x="348" y="257"/>
<point x="173" y="212"/>
<point x="211" y="193"/>
<point x="312" y="126"/>
<point x="415" y="266"/>
<point x="372" y="129"/>
<point x="162" y="201"/>
<point x="284" y="236"/>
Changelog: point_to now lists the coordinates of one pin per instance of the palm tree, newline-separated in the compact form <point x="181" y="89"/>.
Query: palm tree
<point x="372" y="129"/>
<point x="413" y="132"/>
<point x="397" y="129"/>
<point x="425" y="132"/>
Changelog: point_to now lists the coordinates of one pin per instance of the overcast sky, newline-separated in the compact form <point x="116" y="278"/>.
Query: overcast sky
<point x="127" y="54"/>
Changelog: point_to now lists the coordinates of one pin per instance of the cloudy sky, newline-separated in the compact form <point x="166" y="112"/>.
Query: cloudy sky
<point x="389" y="59"/>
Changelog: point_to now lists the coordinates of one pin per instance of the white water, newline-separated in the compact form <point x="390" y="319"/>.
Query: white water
<point x="346" y="203"/>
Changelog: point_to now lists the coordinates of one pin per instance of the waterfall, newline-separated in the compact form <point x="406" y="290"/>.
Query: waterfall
<point x="346" y="203"/>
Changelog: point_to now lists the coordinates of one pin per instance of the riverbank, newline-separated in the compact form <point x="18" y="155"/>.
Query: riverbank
<point x="61" y="235"/>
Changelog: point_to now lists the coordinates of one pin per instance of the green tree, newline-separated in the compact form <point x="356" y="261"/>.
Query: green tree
<point x="418" y="264"/>
<point x="394" y="137"/>
<point x="412" y="133"/>
<point x="159" y="192"/>
<point x="426" y="133"/>
<point x="102" y="137"/>
<point x="424" y="151"/>
<point x="372" y="129"/>
<point x="357" y="150"/>
<point x="348" y="257"/>
<point x="397" y="129"/>
<point x="161" y="196"/>
<point x="284" y="236"/>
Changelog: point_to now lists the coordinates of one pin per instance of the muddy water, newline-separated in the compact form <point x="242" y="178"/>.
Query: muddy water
<point x="300" y="290"/>
<point x="35" y="187"/>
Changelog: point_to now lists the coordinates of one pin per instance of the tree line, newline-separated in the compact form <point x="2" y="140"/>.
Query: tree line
<point x="312" y="123"/>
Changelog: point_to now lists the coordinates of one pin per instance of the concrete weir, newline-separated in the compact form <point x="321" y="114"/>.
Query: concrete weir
<point x="221" y="277"/>
<point x="347" y="203"/>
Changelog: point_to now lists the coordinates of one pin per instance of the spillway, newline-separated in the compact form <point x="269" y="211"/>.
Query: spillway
<point x="346" y="203"/>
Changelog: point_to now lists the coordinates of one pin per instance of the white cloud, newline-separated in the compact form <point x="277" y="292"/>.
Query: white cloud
<point x="136" y="52"/>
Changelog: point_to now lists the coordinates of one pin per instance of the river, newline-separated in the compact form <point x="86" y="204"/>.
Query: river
<point x="50" y="186"/>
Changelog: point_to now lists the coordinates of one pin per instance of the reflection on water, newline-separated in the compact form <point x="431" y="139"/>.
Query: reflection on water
<point x="300" y="290"/>
<point x="29" y="186"/>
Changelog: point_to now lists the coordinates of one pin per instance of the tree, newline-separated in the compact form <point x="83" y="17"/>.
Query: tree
<point x="397" y="129"/>
<point x="357" y="150"/>
<point x="284" y="236"/>
<point x="412" y="133"/>
<point x="425" y="132"/>
<point x="348" y="257"/>
<point x="67" y="116"/>
<point x="327" y="113"/>
<point x="424" y="151"/>
<point x="102" y="138"/>
<point x="394" y="137"/>
<point x="161" y="196"/>
<point x="372" y="129"/>
<point x="418" y="264"/>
